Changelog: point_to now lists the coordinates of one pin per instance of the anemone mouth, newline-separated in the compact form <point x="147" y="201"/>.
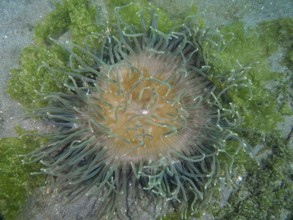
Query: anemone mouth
<point x="149" y="107"/>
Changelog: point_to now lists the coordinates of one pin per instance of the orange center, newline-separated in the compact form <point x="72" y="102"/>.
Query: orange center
<point x="141" y="108"/>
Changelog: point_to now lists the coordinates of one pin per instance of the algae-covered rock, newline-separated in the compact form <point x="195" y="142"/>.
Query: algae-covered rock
<point x="16" y="182"/>
<point x="266" y="192"/>
<point x="244" y="56"/>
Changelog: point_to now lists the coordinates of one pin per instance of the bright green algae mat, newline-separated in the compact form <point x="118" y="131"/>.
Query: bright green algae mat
<point x="247" y="49"/>
<point x="16" y="183"/>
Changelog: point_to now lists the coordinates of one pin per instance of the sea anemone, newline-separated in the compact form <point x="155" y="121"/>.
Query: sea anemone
<point x="139" y="118"/>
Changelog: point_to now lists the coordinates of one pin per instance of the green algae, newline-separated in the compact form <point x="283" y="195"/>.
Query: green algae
<point x="142" y="11"/>
<point x="266" y="192"/>
<point x="16" y="183"/>
<point x="260" y="190"/>
<point x="249" y="51"/>
<point x="31" y="82"/>
<point x="79" y="18"/>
